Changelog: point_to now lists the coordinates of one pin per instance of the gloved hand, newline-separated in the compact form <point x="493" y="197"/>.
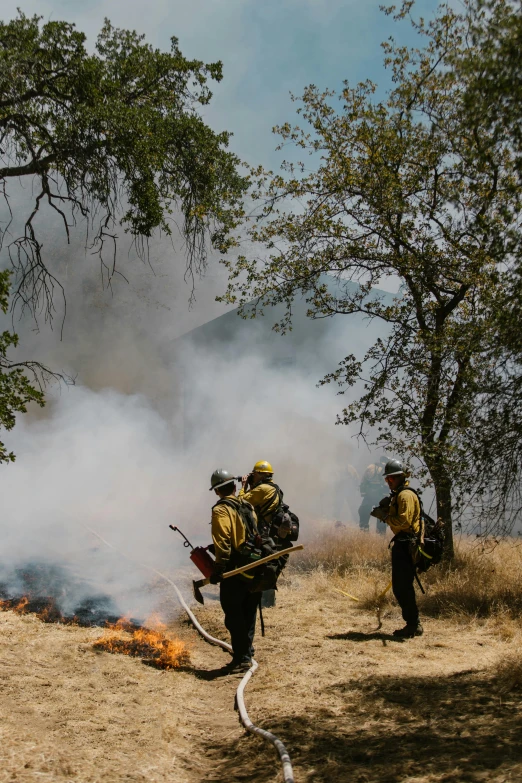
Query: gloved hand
<point x="212" y="549"/>
<point x="379" y="513"/>
<point x="217" y="574"/>
<point x="385" y="502"/>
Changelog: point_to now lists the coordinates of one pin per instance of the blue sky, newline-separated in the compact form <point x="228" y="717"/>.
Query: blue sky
<point x="269" y="48"/>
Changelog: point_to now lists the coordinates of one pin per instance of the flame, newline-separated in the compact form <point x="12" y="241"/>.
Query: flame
<point x="44" y="608"/>
<point x="123" y="624"/>
<point x="15" y="604"/>
<point x="150" y="643"/>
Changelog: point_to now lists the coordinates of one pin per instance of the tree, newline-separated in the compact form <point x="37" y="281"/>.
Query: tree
<point x="113" y="137"/>
<point x="110" y="138"/>
<point x="397" y="191"/>
<point x="16" y="390"/>
<point x="489" y="68"/>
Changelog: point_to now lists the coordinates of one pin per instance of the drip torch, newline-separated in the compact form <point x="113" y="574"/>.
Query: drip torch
<point x="200" y="557"/>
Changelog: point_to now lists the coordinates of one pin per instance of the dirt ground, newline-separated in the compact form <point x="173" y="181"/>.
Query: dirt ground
<point x="350" y="702"/>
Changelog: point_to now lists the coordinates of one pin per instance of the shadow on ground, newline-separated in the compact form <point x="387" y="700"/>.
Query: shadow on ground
<point x="452" y="729"/>
<point x="357" y="636"/>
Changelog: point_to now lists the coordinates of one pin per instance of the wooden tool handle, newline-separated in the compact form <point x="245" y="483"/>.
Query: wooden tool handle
<point x="274" y="556"/>
<point x="266" y="559"/>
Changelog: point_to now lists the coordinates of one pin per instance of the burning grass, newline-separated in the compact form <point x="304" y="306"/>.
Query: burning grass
<point x="149" y="643"/>
<point x="44" y="608"/>
<point x="90" y="612"/>
<point x="54" y="595"/>
<point x="481" y="582"/>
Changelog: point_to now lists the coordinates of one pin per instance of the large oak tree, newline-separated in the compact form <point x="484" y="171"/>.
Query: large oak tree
<point x="113" y="137"/>
<point x="396" y="188"/>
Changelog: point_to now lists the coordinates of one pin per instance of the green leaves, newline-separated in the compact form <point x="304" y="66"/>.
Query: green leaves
<point x="115" y="137"/>
<point x="401" y="190"/>
<point x="111" y="137"/>
<point x="16" y="392"/>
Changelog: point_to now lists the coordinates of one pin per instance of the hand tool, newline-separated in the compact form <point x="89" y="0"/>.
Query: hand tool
<point x="197" y="585"/>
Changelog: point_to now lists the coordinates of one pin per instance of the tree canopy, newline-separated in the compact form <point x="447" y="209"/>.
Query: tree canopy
<point x="20" y="382"/>
<point x="489" y="68"/>
<point x="412" y="187"/>
<point x="112" y="136"/>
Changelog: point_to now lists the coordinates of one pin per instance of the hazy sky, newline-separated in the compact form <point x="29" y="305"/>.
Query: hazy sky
<point x="268" y="49"/>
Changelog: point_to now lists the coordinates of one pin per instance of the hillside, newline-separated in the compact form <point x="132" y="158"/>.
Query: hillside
<point x="349" y="701"/>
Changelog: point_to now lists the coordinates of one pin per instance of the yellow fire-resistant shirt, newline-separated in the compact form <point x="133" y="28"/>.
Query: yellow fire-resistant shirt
<point x="373" y="480"/>
<point x="228" y="531"/>
<point x="259" y="497"/>
<point x="404" y="516"/>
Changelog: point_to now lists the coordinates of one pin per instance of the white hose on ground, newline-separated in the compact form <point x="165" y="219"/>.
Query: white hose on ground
<point x="288" y="773"/>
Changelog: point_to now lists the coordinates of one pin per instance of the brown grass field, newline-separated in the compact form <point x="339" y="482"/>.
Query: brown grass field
<point x="350" y="702"/>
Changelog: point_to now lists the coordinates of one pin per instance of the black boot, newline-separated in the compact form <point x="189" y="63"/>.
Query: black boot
<point x="238" y="667"/>
<point x="409" y="631"/>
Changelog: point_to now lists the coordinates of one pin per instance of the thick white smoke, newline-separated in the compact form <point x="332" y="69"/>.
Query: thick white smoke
<point x="130" y="448"/>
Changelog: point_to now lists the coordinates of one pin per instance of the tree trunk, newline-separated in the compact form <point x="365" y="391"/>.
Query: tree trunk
<point x="443" y="485"/>
<point x="444" y="512"/>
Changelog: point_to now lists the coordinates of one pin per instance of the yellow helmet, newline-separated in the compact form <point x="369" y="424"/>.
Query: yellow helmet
<point x="262" y="467"/>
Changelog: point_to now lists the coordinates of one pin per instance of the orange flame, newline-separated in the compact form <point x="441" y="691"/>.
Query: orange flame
<point x="44" y="608"/>
<point x="18" y="605"/>
<point x="150" y="643"/>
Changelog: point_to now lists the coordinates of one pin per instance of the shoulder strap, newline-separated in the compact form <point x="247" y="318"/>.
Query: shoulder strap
<point x="232" y="501"/>
<point x="244" y="509"/>
<point x="410" y="489"/>
<point x="261" y="510"/>
<point x="420" y="534"/>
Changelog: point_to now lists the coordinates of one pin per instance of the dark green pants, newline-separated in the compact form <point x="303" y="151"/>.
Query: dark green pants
<point x="366" y="506"/>
<point x="240" y="608"/>
<point x="403" y="575"/>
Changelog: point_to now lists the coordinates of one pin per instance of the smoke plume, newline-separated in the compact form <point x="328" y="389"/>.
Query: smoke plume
<point x="130" y="448"/>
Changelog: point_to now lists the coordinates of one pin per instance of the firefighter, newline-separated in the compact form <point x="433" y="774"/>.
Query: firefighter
<point x="259" y="489"/>
<point x="402" y="511"/>
<point x="372" y="488"/>
<point x="238" y="603"/>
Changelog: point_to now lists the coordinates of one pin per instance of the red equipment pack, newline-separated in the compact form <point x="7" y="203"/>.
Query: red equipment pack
<point x="199" y="555"/>
<point x="202" y="560"/>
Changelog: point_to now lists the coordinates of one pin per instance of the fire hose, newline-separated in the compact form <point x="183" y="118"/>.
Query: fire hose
<point x="288" y="773"/>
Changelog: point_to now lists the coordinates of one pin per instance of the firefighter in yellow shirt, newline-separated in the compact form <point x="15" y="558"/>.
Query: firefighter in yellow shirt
<point x="260" y="490"/>
<point x="402" y="511"/>
<point x="238" y="603"/>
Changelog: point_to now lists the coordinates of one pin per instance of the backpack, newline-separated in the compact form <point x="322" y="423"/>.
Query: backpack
<point x="281" y="516"/>
<point x="255" y="547"/>
<point x="428" y="545"/>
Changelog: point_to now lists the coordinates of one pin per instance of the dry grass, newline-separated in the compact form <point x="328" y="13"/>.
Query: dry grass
<point x="355" y="705"/>
<point x="351" y="702"/>
<point x="508" y="673"/>
<point x="343" y="552"/>
<point x="480" y="583"/>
